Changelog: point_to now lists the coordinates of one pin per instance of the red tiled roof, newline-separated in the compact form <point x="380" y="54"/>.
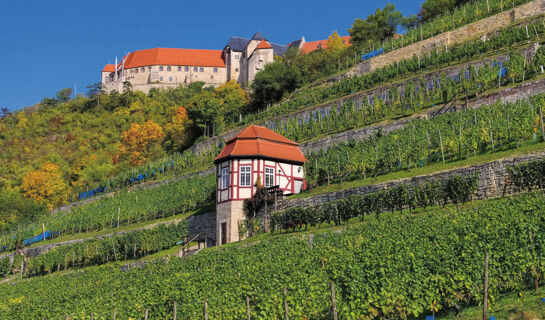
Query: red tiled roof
<point x="256" y="141"/>
<point x="314" y="45"/>
<point x="109" y="68"/>
<point x="175" y="57"/>
<point x="264" y="45"/>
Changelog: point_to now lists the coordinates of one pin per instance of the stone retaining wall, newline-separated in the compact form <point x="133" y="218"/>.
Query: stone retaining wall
<point x="468" y="32"/>
<point x="491" y="184"/>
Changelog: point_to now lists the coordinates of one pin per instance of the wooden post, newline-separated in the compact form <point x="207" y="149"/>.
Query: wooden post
<point x="333" y="302"/>
<point x="92" y="316"/>
<point x="286" y="311"/>
<point x="442" y="150"/>
<point x="174" y="316"/>
<point x="43" y="232"/>
<point x="22" y="267"/>
<point x="248" y="307"/>
<point x="485" y="295"/>
<point x="205" y="309"/>
<point x="146" y="314"/>
<point x="115" y="315"/>
<point x="541" y="119"/>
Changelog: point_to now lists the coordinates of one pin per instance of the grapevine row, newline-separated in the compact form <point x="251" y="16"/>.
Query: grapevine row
<point x="396" y="267"/>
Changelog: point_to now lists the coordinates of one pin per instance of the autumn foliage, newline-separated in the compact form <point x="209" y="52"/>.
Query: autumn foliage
<point x="178" y="136"/>
<point x="45" y="185"/>
<point x="138" y="142"/>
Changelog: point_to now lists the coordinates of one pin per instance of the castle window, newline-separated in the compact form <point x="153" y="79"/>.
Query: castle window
<point x="225" y="178"/>
<point x="160" y="68"/>
<point x="170" y="79"/>
<point x="269" y="177"/>
<point x="186" y="69"/>
<point x="236" y="56"/>
<point x="179" y="68"/>
<point x="136" y="70"/>
<point x="195" y="69"/>
<point x="169" y="68"/>
<point x="216" y="70"/>
<point x="143" y="69"/>
<point x="211" y="77"/>
<point x="160" y="78"/>
<point x="149" y="69"/>
<point x="202" y="69"/>
<point x="236" y="69"/>
<point x="245" y="176"/>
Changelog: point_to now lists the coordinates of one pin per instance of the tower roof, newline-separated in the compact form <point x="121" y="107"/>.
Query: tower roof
<point x="109" y="68"/>
<point x="264" y="45"/>
<point x="258" y="36"/>
<point x="260" y="142"/>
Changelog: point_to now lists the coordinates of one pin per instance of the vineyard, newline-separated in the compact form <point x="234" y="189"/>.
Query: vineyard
<point x="448" y="137"/>
<point x="458" y="190"/>
<point x="92" y="252"/>
<point x="399" y="266"/>
<point x="415" y="249"/>
<point x="123" y="209"/>
<point x="413" y="97"/>
<point x="505" y="39"/>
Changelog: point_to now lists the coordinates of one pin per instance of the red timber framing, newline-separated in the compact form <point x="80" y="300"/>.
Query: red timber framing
<point x="257" y="170"/>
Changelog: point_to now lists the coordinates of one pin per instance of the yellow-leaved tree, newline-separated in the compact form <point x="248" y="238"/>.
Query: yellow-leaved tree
<point x="140" y="142"/>
<point x="46" y="185"/>
<point x="177" y="133"/>
<point x="335" y="44"/>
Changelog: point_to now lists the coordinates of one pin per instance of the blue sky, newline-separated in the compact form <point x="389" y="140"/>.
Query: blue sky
<point x="50" y="45"/>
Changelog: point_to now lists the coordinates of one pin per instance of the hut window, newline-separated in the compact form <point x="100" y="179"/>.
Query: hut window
<point x="225" y="178"/>
<point x="245" y="176"/>
<point x="269" y="177"/>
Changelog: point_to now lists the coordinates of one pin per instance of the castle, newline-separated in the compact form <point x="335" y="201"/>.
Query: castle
<point x="239" y="60"/>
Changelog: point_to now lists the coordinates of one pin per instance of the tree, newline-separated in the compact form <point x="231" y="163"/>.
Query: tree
<point x="433" y="8"/>
<point x="15" y="209"/>
<point x="335" y="44"/>
<point x="377" y="27"/>
<point x="139" y="141"/>
<point x="273" y="82"/>
<point x="233" y="99"/>
<point x="64" y="95"/>
<point x="177" y="136"/>
<point x="4" y="112"/>
<point x="46" y="185"/>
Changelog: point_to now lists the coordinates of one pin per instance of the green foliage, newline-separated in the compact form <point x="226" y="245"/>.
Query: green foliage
<point x="485" y="79"/>
<point x="124" y="208"/>
<point x="17" y="210"/>
<point x="376" y="27"/>
<point x="462" y="135"/>
<point x="527" y="176"/>
<point x="4" y="267"/>
<point x="132" y="245"/>
<point x="457" y="189"/>
<point x="394" y="268"/>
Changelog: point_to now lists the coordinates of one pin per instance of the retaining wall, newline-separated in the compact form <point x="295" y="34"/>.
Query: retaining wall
<point x="492" y="182"/>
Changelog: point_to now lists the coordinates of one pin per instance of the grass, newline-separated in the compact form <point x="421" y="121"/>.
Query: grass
<point x="524" y="305"/>
<point x="526" y="147"/>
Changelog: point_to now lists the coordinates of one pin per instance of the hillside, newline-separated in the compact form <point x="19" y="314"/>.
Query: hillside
<point x="419" y="166"/>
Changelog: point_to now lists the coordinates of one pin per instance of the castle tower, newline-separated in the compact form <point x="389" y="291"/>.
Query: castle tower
<point x="256" y="152"/>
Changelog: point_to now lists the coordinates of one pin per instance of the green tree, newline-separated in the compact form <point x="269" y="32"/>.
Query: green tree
<point x="376" y="27"/>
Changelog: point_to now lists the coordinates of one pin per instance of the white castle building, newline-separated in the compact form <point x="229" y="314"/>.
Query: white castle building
<point x="239" y="60"/>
